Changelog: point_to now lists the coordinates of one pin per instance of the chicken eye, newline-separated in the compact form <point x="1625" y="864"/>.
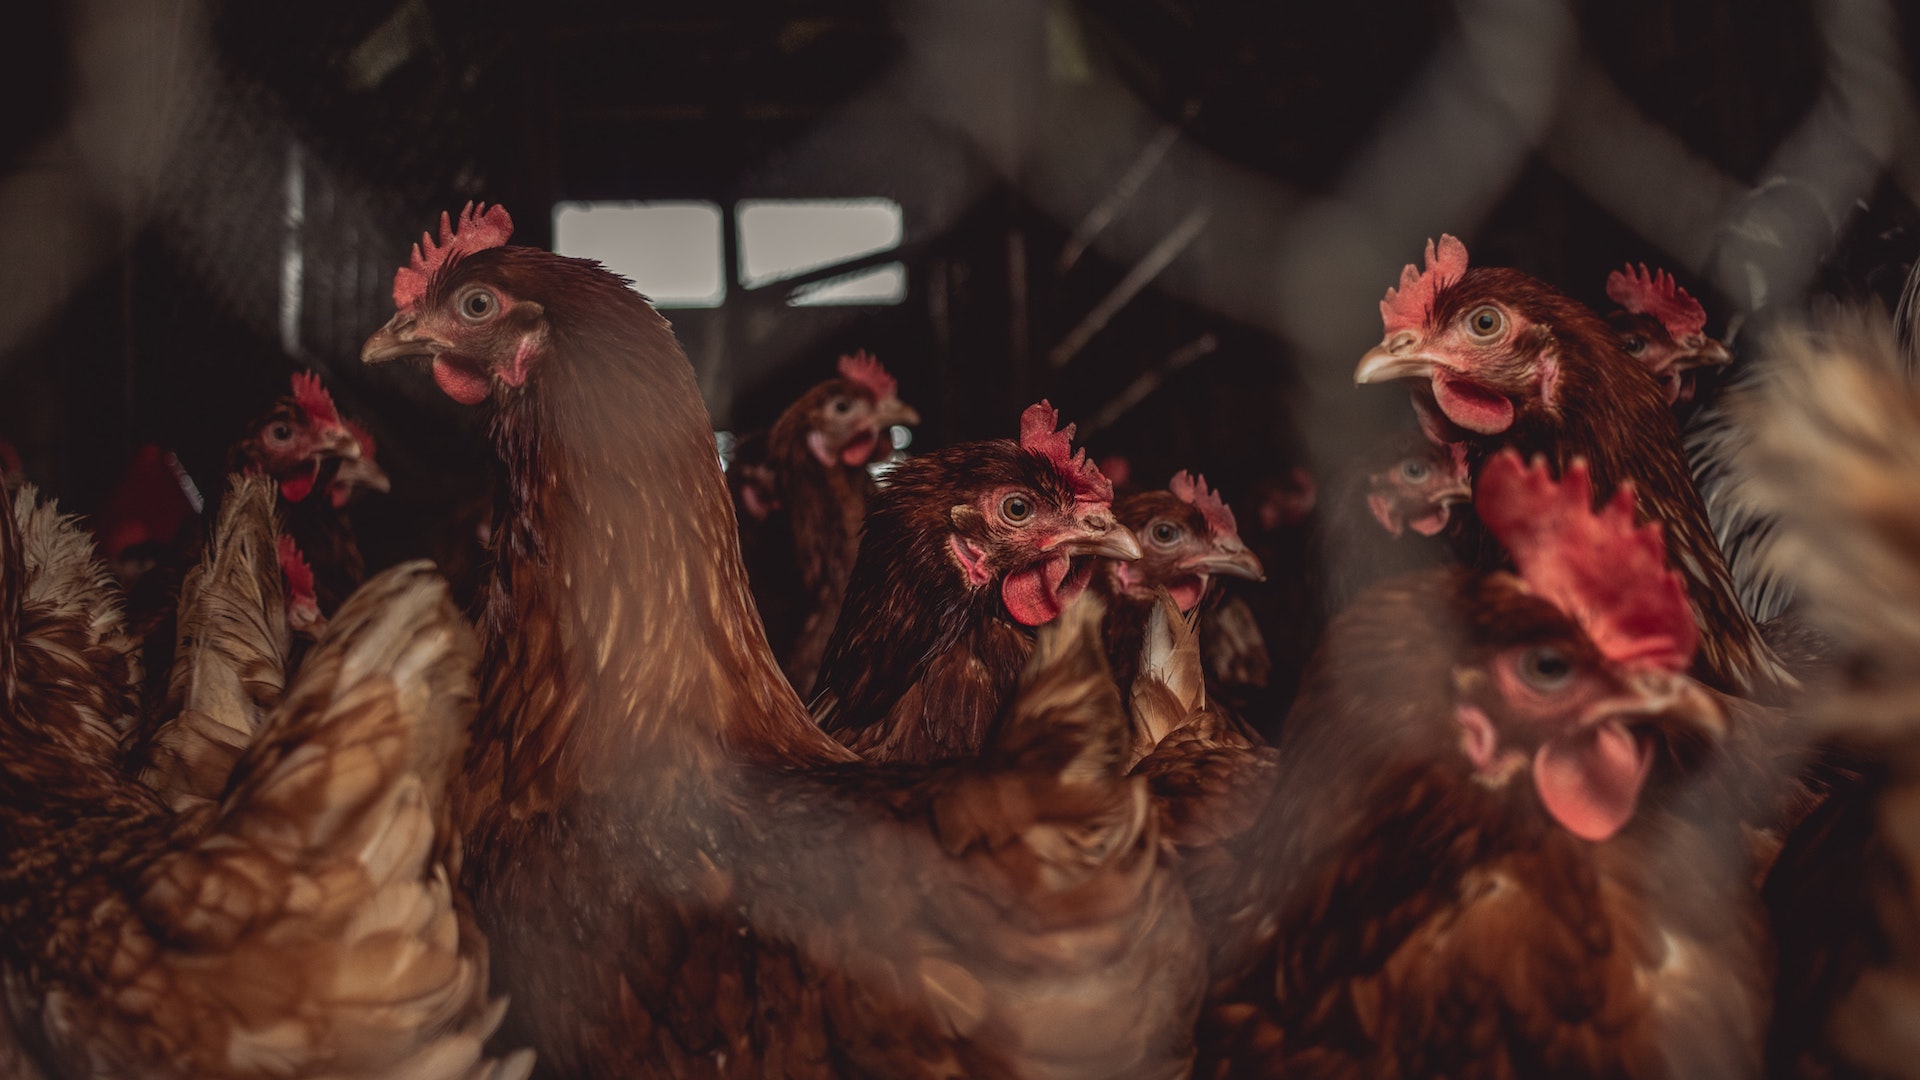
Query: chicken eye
<point x="841" y="405"/>
<point x="1413" y="470"/>
<point x="1165" y="532"/>
<point x="1485" y="322"/>
<point x="478" y="304"/>
<point x="1545" y="668"/>
<point x="1016" y="508"/>
<point x="1635" y="344"/>
<point x="279" y="433"/>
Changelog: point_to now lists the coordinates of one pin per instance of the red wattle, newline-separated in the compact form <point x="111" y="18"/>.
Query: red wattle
<point x="1590" y="780"/>
<point x="1033" y="595"/>
<point x="1431" y="522"/>
<point x="1471" y="405"/>
<point x="460" y="380"/>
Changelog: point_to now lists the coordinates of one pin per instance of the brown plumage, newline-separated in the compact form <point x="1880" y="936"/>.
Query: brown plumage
<point x="1484" y="855"/>
<point x="964" y="550"/>
<point x="1501" y="359"/>
<point x="1399" y="506"/>
<point x="1835" y="419"/>
<point x="817" y="458"/>
<point x="301" y="927"/>
<point x="680" y="873"/>
<point x="1665" y="329"/>
<point x="230" y="662"/>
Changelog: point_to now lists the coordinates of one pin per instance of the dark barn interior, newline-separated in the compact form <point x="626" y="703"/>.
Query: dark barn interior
<point x="1175" y="221"/>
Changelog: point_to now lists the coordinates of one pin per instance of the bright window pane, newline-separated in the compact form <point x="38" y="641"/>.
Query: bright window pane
<point x="671" y="250"/>
<point x="881" y="285"/>
<point x="780" y="238"/>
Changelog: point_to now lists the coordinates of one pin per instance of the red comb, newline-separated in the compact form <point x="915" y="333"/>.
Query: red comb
<point x="1037" y="436"/>
<point x="313" y="399"/>
<point x="293" y="566"/>
<point x="1597" y="566"/>
<point x="480" y="228"/>
<point x="864" y="370"/>
<point x="1408" y="306"/>
<point x="1192" y="490"/>
<point x="1660" y="296"/>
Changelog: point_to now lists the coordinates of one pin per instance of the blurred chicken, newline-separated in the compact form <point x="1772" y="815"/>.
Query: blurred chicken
<point x="1187" y="536"/>
<point x="1664" y="328"/>
<point x="1400" y="506"/>
<point x="683" y="875"/>
<point x="1484" y="855"/>
<point x="1497" y="358"/>
<point x="302" y="927"/>
<point x="230" y="663"/>
<point x="965" y="550"/>
<point x="1836" y="458"/>
<point x="812" y="500"/>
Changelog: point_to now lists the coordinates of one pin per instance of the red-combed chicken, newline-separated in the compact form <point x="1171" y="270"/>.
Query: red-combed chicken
<point x="1499" y="358"/>
<point x="817" y="458"/>
<point x="965" y="550"/>
<point x="1665" y="328"/>
<point x="1400" y="506"/>
<point x="1187" y="536"/>
<point x="679" y="873"/>
<point x="319" y="460"/>
<point x="1484" y="855"/>
<point x="302" y="927"/>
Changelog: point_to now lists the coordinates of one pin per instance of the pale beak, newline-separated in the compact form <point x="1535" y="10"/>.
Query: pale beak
<point x="364" y="472"/>
<point x="1703" y="351"/>
<point x="400" y="339"/>
<point x="1231" y="558"/>
<point x="891" y="411"/>
<point x="1453" y="494"/>
<point x="1670" y="695"/>
<point x="1398" y="357"/>
<point x="339" y="442"/>
<point x="1100" y="535"/>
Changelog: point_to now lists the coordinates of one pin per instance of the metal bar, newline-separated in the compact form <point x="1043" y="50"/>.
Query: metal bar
<point x="1123" y="193"/>
<point x="1143" y="272"/>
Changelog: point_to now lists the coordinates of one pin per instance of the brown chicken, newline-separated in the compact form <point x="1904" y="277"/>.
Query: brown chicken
<point x="965" y="550"/>
<point x="1664" y="328"/>
<point x="1498" y="358"/>
<point x="679" y="873"/>
<point x="817" y="458"/>
<point x="319" y="460"/>
<point x="301" y="927"/>
<point x="1187" y="536"/>
<point x="1484" y="856"/>
<point x="1400" y="506"/>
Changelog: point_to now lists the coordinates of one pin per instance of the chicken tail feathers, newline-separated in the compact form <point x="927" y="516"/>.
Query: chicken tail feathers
<point x="230" y="665"/>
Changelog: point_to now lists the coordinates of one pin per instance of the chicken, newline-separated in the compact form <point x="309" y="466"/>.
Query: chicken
<point x="1400" y="506"/>
<point x="1664" y="328"/>
<point x="301" y="927"/>
<point x="1483" y="855"/>
<point x="230" y="664"/>
<point x="1498" y="358"/>
<point x="319" y="460"/>
<point x="1836" y="462"/>
<point x="817" y="457"/>
<point x="965" y="550"/>
<point x="1187" y="535"/>
<point x="679" y="872"/>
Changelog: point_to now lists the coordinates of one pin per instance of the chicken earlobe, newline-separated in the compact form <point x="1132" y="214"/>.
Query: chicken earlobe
<point x="230" y="664"/>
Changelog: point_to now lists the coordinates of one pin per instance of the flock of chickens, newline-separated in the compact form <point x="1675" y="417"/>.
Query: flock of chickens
<point x="977" y="769"/>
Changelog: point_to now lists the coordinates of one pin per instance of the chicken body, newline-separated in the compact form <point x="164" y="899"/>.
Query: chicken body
<point x="818" y="453"/>
<point x="680" y="873"/>
<point x="964" y="551"/>
<point x="1461" y="872"/>
<point x="1500" y="359"/>
<point x="301" y="927"/>
<point x="1664" y="328"/>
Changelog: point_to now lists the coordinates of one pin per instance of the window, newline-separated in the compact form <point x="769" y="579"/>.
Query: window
<point x="670" y="250"/>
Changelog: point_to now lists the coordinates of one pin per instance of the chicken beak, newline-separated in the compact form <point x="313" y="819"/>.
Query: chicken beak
<point x="1101" y="535"/>
<point x="364" y="472"/>
<point x="1398" y="357"/>
<point x="1702" y="352"/>
<point x="1671" y="700"/>
<point x="1232" y="558"/>
<point x="400" y="339"/>
<point x="1453" y="494"/>
<point x="340" y="443"/>
<point x="891" y="411"/>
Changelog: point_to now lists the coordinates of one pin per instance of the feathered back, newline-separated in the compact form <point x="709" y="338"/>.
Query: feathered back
<point x="230" y="663"/>
<point x="1067" y="713"/>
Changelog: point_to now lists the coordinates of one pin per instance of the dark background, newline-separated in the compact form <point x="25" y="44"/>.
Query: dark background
<point x="1760" y="149"/>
